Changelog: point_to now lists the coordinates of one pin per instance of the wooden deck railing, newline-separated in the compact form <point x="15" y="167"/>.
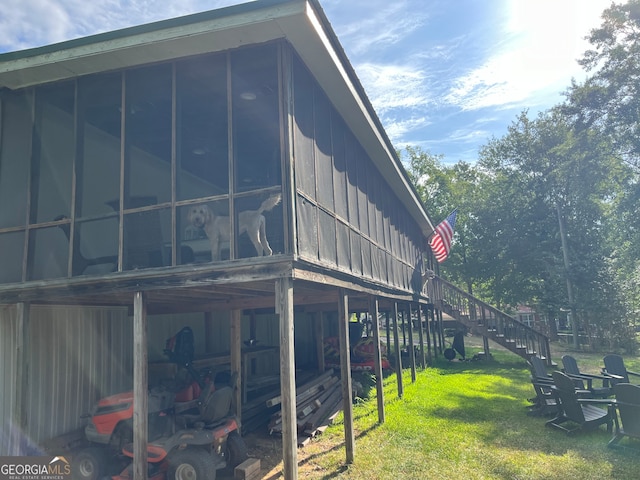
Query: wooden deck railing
<point x="488" y="321"/>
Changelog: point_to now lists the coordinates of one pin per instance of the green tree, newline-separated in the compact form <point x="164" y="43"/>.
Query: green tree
<point x="442" y="188"/>
<point x="542" y="167"/>
<point x="609" y="102"/>
<point x="609" y="99"/>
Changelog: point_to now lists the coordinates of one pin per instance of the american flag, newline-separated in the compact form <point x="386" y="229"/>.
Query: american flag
<point x="441" y="240"/>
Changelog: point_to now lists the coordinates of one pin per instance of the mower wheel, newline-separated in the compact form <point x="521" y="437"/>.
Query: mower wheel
<point x="89" y="464"/>
<point x="238" y="451"/>
<point x="191" y="464"/>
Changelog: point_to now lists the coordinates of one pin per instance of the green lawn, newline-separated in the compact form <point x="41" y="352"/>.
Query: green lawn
<point x="465" y="420"/>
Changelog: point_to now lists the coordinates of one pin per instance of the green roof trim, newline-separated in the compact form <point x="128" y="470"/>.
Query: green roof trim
<point x="141" y="29"/>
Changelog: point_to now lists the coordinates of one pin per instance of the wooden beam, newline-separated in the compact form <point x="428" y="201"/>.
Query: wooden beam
<point x="345" y="371"/>
<point x="423" y="363"/>
<point x="373" y="311"/>
<point x="352" y="283"/>
<point x="387" y="326"/>
<point x="412" y="351"/>
<point x="284" y="308"/>
<point x="235" y="348"/>
<point x="428" y="328"/>
<point x="140" y="388"/>
<point x="441" y="331"/>
<point x="396" y="347"/>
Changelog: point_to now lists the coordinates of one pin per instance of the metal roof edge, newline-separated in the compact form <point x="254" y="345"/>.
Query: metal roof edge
<point x="144" y="28"/>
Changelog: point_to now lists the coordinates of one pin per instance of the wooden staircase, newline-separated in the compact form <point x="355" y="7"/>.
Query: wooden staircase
<point x="489" y="322"/>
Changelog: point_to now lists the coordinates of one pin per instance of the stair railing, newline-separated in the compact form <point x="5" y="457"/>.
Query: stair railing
<point x="488" y="321"/>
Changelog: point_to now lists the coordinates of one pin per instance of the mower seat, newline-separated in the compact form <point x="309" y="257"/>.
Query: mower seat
<point x="213" y="407"/>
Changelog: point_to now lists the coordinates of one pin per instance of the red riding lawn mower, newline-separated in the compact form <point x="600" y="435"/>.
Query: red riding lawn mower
<point x="192" y="430"/>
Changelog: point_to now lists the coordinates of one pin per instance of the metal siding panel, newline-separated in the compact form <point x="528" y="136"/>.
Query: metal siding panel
<point x="339" y="167"/>
<point x="307" y="229"/>
<point x="327" y="238"/>
<point x="303" y="130"/>
<point x="343" y="249"/>
<point x="71" y="365"/>
<point x="8" y="379"/>
<point x="323" y="150"/>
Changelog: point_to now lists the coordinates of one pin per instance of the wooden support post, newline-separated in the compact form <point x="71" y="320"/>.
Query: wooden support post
<point x="440" y="331"/>
<point x="373" y="311"/>
<point x="412" y="351"/>
<point x="404" y="329"/>
<point x="140" y="387"/>
<point x="427" y="316"/>
<point x="235" y="358"/>
<point x="23" y="311"/>
<point x="318" y="331"/>
<point x="396" y="347"/>
<point x="284" y="308"/>
<point x="485" y="344"/>
<point x="434" y="325"/>
<point x="345" y="370"/>
<point x="388" y="328"/>
<point x="420" y="335"/>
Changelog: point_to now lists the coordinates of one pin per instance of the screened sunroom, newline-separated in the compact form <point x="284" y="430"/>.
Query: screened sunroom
<point x="109" y="143"/>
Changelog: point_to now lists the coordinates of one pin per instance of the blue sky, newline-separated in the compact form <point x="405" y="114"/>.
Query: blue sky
<point x="443" y="75"/>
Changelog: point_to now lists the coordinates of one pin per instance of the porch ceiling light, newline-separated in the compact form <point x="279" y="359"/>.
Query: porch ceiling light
<point x="248" y="95"/>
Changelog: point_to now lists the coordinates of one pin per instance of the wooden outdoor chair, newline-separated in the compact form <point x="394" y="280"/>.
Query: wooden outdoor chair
<point x="544" y="403"/>
<point x="627" y="403"/>
<point x="615" y="368"/>
<point x="584" y="381"/>
<point x="539" y="369"/>
<point x="575" y="413"/>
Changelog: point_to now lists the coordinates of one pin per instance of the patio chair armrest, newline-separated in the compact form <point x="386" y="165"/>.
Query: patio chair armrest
<point x="635" y="374"/>
<point x="612" y="375"/>
<point x="598" y="401"/>
<point x="595" y="377"/>
<point x="580" y="376"/>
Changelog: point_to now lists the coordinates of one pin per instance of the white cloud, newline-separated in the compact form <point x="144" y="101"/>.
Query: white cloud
<point x="397" y="128"/>
<point x="376" y="23"/>
<point x="394" y="86"/>
<point x="32" y="23"/>
<point x="542" y="41"/>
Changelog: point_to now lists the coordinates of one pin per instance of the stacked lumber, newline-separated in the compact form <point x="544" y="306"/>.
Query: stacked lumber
<point x="318" y="402"/>
<point x="256" y="412"/>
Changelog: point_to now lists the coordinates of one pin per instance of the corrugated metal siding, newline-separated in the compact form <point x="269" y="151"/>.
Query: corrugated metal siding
<point x="77" y="355"/>
<point x="8" y="380"/>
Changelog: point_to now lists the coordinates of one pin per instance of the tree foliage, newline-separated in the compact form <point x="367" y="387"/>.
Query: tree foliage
<point x="609" y="99"/>
<point x="577" y="163"/>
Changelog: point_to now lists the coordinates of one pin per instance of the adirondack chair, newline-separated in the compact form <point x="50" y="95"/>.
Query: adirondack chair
<point x="539" y="369"/>
<point x="544" y="403"/>
<point x="579" y="413"/>
<point x="627" y="403"/>
<point x="584" y="381"/>
<point x="614" y="366"/>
